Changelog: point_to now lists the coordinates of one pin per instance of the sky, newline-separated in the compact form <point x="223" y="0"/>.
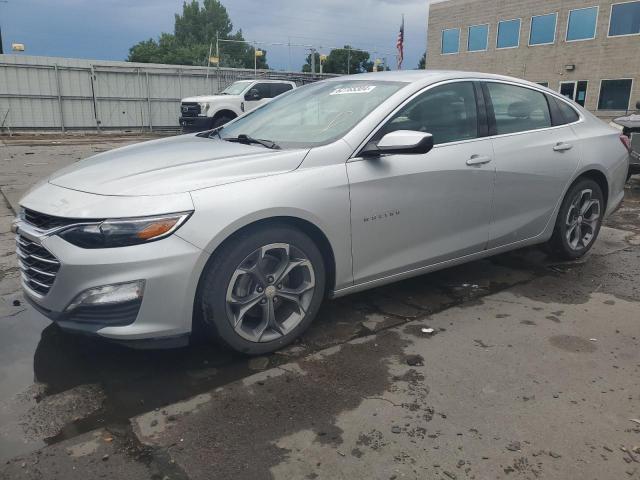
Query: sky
<point x="105" y="29"/>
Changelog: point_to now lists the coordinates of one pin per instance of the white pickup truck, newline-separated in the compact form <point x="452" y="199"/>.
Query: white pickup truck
<point x="210" y="111"/>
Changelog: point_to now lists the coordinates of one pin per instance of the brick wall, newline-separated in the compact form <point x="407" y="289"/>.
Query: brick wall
<point x="601" y="58"/>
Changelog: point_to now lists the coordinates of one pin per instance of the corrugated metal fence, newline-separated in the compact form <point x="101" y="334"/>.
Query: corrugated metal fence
<point x="52" y="93"/>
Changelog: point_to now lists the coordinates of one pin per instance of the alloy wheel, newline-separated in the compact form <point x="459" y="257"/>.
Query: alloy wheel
<point x="270" y="292"/>
<point x="582" y="220"/>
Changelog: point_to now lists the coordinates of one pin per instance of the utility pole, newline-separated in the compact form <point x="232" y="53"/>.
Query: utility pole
<point x="313" y="60"/>
<point x="1" y="48"/>
<point x="348" y="60"/>
<point x="218" y="57"/>
<point x="208" y="63"/>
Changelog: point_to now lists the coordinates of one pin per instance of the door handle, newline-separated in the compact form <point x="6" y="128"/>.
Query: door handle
<point x="562" y="147"/>
<point x="478" y="160"/>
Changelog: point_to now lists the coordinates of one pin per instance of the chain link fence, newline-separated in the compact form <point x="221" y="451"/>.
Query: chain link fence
<point x="49" y="93"/>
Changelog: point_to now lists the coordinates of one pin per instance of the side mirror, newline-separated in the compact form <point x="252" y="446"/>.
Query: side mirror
<point x="253" y="94"/>
<point x="400" y="142"/>
<point x="638" y="105"/>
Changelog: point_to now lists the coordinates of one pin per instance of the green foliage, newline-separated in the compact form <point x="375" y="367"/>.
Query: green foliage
<point x="194" y="32"/>
<point x="423" y="61"/>
<point x="337" y="60"/>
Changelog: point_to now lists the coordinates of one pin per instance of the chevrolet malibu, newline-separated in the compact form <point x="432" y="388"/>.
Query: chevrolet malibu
<point x="332" y="188"/>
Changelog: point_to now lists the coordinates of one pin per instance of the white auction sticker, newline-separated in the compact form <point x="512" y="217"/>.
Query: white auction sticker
<point x="349" y="90"/>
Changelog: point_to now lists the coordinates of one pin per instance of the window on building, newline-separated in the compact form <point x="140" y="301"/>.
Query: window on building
<point x="518" y="109"/>
<point x="478" y="38"/>
<point x="448" y="112"/>
<point x="575" y="90"/>
<point x="451" y="40"/>
<point x="508" y="33"/>
<point x="614" y="94"/>
<point x="582" y="24"/>
<point x="625" y="19"/>
<point x="543" y="29"/>
<point x="581" y="92"/>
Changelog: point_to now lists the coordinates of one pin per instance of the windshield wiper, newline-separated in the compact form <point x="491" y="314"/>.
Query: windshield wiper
<point x="216" y="131"/>
<point x="246" y="139"/>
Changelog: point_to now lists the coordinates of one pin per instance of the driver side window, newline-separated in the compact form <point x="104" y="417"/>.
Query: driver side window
<point x="448" y="112"/>
<point x="264" y="89"/>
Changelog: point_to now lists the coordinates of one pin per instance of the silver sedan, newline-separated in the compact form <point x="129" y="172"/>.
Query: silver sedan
<point x="332" y="188"/>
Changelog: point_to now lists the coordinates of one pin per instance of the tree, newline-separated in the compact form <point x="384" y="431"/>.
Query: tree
<point x="423" y="61"/>
<point x="337" y="60"/>
<point x="194" y="32"/>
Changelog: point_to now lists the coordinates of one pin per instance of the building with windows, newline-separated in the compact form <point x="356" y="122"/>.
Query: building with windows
<point x="588" y="50"/>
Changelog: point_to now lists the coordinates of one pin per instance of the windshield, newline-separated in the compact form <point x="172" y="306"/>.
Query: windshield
<point x="313" y="115"/>
<point x="235" y="88"/>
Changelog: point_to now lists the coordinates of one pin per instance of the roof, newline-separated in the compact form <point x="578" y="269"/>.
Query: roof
<point x="426" y="77"/>
<point x="264" y="80"/>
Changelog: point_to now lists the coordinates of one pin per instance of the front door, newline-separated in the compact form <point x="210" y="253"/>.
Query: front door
<point x="265" y="94"/>
<point x="534" y="162"/>
<point x="413" y="210"/>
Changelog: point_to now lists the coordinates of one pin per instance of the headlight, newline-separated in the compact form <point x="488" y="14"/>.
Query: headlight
<point x="124" y="232"/>
<point x="204" y="107"/>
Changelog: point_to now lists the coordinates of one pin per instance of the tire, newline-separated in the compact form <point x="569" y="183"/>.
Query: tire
<point x="271" y="266"/>
<point x="220" y="120"/>
<point x="579" y="220"/>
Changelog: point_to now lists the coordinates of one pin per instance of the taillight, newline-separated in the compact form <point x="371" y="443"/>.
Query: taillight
<point x="626" y="142"/>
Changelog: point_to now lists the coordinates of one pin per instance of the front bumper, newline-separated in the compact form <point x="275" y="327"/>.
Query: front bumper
<point x="196" y="124"/>
<point x="170" y="268"/>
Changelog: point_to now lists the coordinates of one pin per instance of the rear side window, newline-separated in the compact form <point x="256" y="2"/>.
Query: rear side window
<point x="518" y="109"/>
<point x="448" y="112"/>
<point x="568" y="113"/>
<point x="279" y="88"/>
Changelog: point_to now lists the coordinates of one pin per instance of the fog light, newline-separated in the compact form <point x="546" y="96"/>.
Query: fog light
<point x="109" y="294"/>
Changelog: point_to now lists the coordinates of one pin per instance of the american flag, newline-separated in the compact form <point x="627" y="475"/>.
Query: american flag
<point x="400" y="44"/>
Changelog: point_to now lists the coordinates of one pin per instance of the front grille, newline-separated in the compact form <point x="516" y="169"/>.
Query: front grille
<point x="119" y="314"/>
<point x="190" y="109"/>
<point x="44" y="221"/>
<point x="39" y="267"/>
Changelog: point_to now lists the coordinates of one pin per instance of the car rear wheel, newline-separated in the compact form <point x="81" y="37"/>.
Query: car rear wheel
<point x="262" y="289"/>
<point x="579" y="220"/>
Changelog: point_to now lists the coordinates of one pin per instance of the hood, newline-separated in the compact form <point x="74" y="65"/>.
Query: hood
<point x="174" y="165"/>
<point x="208" y="98"/>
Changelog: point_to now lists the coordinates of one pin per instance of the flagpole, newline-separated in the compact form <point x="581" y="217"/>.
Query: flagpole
<point x="402" y="53"/>
<point x="400" y="46"/>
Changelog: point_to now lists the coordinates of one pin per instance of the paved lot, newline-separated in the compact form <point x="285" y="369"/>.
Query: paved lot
<point x="531" y="372"/>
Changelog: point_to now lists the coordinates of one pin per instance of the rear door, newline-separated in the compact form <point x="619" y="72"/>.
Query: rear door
<point x="280" y="88"/>
<point x="535" y="156"/>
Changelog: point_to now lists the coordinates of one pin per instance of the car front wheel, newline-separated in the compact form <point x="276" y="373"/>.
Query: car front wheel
<point x="262" y="289"/>
<point x="579" y="220"/>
